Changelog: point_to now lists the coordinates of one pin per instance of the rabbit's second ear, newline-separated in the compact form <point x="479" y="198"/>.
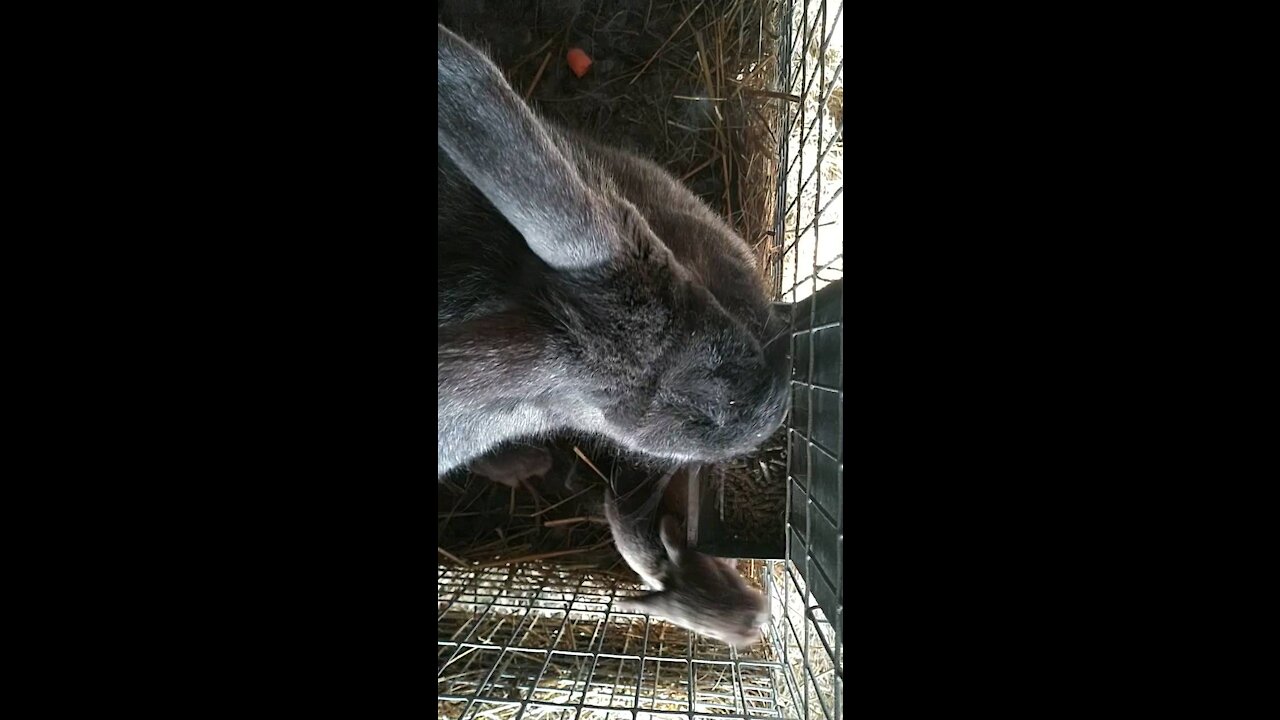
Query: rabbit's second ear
<point x="510" y="156"/>
<point x="649" y="603"/>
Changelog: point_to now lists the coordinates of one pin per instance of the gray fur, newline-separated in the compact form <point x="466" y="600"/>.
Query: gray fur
<point x="582" y="288"/>
<point x="513" y="465"/>
<point x="692" y="590"/>
<point x="631" y="520"/>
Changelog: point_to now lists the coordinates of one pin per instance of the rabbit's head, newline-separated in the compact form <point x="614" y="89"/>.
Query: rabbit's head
<point x="667" y="370"/>
<point x="703" y="594"/>
<point x="648" y="350"/>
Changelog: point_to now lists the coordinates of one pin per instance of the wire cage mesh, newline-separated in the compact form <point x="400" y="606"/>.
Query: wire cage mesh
<point x="547" y="642"/>
<point x="807" y="586"/>
<point x="539" y="640"/>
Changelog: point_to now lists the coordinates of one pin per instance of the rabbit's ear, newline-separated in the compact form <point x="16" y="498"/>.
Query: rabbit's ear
<point x="506" y="152"/>
<point x="672" y="538"/>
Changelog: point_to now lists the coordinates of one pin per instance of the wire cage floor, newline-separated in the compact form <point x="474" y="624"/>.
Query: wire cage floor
<point x="539" y="640"/>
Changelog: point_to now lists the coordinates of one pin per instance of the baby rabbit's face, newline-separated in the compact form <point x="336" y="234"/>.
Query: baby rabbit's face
<point x="702" y="598"/>
<point x="744" y="626"/>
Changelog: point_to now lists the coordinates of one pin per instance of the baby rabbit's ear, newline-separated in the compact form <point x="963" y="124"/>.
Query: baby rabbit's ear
<point x="507" y="153"/>
<point x="673" y="539"/>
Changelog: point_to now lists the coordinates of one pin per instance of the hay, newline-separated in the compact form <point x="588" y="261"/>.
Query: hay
<point x="483" y="524"/>
<point x="749" y="498"/>
<point x="684" y="83"/>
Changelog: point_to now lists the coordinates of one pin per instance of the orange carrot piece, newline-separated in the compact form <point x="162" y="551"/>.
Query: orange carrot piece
<point x="579" y="61"/>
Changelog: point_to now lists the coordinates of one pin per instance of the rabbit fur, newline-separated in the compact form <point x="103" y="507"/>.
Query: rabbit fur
<point x="582" y="288"/>
<point x="695" y="591"/>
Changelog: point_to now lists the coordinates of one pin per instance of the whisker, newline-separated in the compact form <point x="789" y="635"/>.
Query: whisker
<point x="776" y="338"/>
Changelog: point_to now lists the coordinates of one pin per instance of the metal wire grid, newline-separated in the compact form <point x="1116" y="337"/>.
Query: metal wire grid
<point x="544" y="642"/>
<point x="808" y="131"/>
<point x="811" y="627"/>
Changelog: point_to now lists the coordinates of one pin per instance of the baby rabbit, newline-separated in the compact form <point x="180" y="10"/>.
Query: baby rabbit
<point x="695" y="591"/>
<point x="581" y="288"/>
<point x="512" y="465"/>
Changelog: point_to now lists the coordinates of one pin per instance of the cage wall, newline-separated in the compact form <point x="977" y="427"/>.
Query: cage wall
<point x="808" y="271"/>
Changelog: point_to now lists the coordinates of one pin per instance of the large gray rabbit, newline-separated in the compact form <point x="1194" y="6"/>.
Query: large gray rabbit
<point x="584" y="289"/>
